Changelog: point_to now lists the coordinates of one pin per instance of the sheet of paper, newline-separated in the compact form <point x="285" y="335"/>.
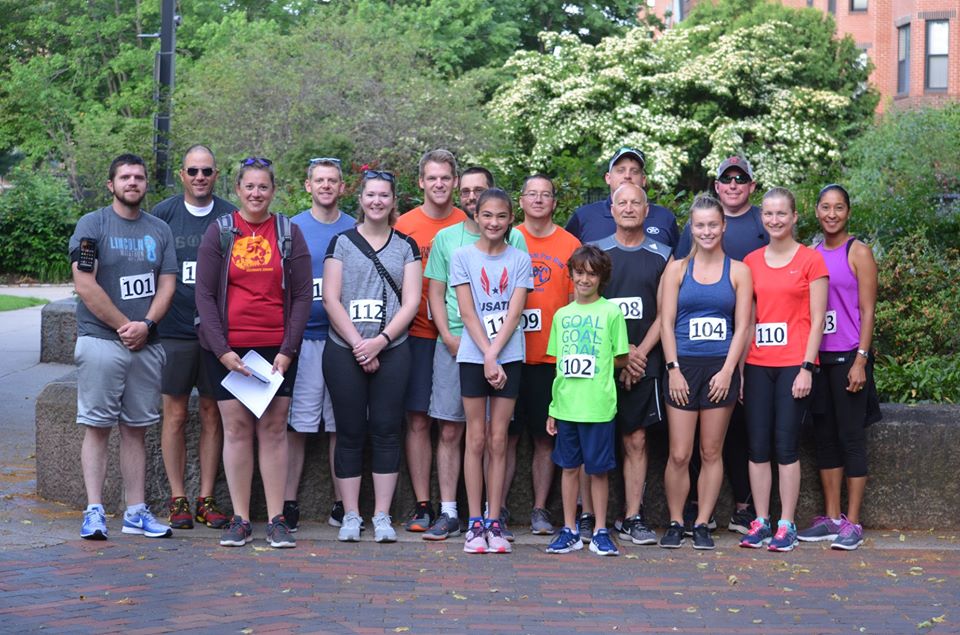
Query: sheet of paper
<point x="252" y="392"/>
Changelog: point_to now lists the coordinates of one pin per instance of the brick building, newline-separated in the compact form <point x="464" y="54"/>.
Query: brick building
<point x="914" y="44"/>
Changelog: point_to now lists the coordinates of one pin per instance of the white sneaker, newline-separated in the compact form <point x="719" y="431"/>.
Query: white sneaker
<point x="383" y="530"/>
<point x="350" y="529"/>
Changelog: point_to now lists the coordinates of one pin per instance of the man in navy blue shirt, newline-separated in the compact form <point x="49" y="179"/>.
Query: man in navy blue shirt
<point x="594" y="221"/>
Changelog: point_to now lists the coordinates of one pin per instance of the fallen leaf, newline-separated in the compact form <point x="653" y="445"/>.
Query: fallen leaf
<point x="401" y="629"/>
<point x="733" y="610"/>
<point x="285" y="591"/>
<point x="457" y="596"/>
<point x="758" y="621"/>
<point x="631" y="556"/>
<point x="903" y="538"/>
<point x="939" y="620"/>
<point x="702" y="565"/>
<point x="443" y="611"/>
<point x="150" y="575"/>
<point x="924" y="624"/>
<point x="891" y="573"/>
<point x="237" y="594"/>
<point x="125" y="601"/>
<point x="732" y="579"/>
<point x="691" y="609"/>
<point x="400" y="600"/>
<point x="26" y="521"/>
<point x="423" y="570"/>
<point x="141" y="557"/>
<point x="494" y="590"/>
<point x="313" y="555"/>
<point x="246" y="631"/>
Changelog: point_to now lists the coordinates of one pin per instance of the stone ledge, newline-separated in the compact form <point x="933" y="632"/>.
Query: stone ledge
<point x="58" y="331"/>
<point x="911" y="455"/>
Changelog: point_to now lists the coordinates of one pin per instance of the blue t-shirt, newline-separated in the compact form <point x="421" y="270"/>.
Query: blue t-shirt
<point x="744" y="233"/>
<point x="318" y="235"/>
<point x="594" y="221"/>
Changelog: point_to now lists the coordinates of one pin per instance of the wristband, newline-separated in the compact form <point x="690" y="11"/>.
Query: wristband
<point x="809" y="366"/>
<point x="151" y="325"/>
<point x="387" y="337"/>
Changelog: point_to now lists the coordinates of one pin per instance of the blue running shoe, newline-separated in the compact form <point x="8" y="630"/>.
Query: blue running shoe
<point x="786" y="538"/>
<point x="565" y="542"/>
<point x="94" y="524"/>
<point x="603" y="545"/>
<point x="758" y="535"/>
<point x="141" y="521"/>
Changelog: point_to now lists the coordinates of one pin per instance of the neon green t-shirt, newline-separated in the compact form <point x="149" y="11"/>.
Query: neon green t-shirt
<point x="447" y="241"/>
<point x="585" y="338"/>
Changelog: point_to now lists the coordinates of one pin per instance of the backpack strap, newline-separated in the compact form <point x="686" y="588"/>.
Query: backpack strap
<point x="228" y="233"/>
<point x="284" y="235"/>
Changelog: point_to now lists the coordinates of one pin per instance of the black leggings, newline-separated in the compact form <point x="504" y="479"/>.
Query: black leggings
<point x="839" y="417"/>
<point x="366" y="404"/>
<point x="773" y="415"/>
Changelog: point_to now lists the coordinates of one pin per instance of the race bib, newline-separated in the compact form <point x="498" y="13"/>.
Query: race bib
<point x="318" y="289"/>
<point x="771" y="334"/>
<point x="366" y="310"/>
<point x="582" y="366"/>
<point x="530" y="320"/>
<point x="830" y="323"/>
<point x="632" y="307"/>
<point x="133" y="287"/>
<point x="708" y="328"/>
<point x="189" y="272"/>
<point x="493" y="323"/>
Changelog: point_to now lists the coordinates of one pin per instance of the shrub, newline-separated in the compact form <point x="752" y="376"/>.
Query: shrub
<point x="932" y="378"/>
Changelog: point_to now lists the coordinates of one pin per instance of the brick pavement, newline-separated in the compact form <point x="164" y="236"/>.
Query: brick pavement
<point x="132" y="585"/>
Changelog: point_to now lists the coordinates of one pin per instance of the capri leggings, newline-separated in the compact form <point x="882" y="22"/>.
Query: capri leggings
<point x="773" y="415"/>
<point x="366" y="404"/>
<point x="839" y="417"/>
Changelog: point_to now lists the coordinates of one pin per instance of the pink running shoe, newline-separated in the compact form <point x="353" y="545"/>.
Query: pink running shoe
<point x="476" y="541"/>
<point x="495" y="540"/>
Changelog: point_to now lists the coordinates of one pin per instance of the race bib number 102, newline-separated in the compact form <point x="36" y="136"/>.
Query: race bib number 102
<point x="583" y="366"/>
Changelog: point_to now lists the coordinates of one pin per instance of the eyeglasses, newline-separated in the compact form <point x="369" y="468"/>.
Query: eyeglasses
<point x="741" y="179"/>
<point x="256" y="161"/>
<point x="379" y="174"/>
<point x="477" y="191"/>
<point x="535" y="195"/>
<point x="204" y="171"/>
<point x="332" y="160"/>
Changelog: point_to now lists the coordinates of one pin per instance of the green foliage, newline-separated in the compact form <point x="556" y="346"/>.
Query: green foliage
<point x="37" y="217"/>
<point x="933" y="378"/>
<point x="14" y="302"/>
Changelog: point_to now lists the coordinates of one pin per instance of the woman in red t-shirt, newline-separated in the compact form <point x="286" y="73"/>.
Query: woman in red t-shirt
<point x="790" y="301"/>
<point x="254" y="298"/>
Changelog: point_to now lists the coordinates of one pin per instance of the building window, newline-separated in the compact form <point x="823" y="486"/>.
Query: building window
<point x="832" y="7"/>
<point x="858" y="5"/>
<point x="903" y="60"/>
<point x="938" y="43"/>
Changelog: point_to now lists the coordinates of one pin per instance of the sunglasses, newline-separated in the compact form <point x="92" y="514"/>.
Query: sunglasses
<point x="379" y="174"/>
<point x="332" y="160"/>
<point x="256" y="161"/>
<point x="204" y="171"/>
<point x="741" y="179"/>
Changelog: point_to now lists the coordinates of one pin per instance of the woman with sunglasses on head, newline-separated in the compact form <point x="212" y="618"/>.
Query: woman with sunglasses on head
<point x="253" y="294"/>
<point x="845" y="381"/>
<point x="371" y="291"/>
<point x="790" y="299"/>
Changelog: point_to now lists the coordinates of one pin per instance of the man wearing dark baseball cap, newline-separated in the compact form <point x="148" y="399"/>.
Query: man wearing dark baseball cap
<point x="594" y="221"/>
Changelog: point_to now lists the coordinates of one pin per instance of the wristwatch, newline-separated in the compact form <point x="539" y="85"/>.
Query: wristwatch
<point x="151" y="325"/>
<point x="862" y="353"/>
<point x="672" y="365"/>
<point x="809" y="366"/>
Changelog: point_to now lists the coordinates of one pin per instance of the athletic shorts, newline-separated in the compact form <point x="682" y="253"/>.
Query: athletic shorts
<point x="311" y="401"/>
<point x="698" y="371"/>
<point x="533" y="403"/>
<point x="592" y="445"/>
<point x="420" y="381"/>
<point x="184" y="368"/>
<point x="446" y="403"/>
<point x="218" y="371"/>
<point x="473" y="383"/>
<point x="117" y="385"/>
<point x="639" y="407"/>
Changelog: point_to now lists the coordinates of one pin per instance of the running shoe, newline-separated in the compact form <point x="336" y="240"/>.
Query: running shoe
<point x="505" y="531"/>
<point x="291" y="512"/>
<point x="690" y="512"/>
<point x="823" y="528"/>
<point x="497" y="542"/>
<point x="540" y="524"/>
<point x="209" y="514"/>
<point x="350" y="529"/>
<point x="637" y="531"/>
<point x="786" y="537"/>
<point x="144" y="523"/>
<point x="702" y="538"/>
<point x="565" y="542"/>
<point x="673" y="536"/>
<point x="237" y="533"/>
<point x="602" y="544"/>
<point x="94" y="525"/>
<point x="476" y="538"/>
<point x="180" y="516"/>
<point x="585" y="525"/>
<point x="742" y="519"/>
<point x="336" y="514"/>
<point x="421" y="518"/>
<point x="849" y="537"/>
<point x="758" y="535"/>
<point x="443" y="528"/>
<point x="279" y="535"/>
<point x="383" y="530"/>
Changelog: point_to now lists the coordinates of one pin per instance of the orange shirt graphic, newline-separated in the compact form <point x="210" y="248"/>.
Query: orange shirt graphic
<point x="254" y="288"/>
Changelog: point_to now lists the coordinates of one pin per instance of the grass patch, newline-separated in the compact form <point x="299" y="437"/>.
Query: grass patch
<point x="14" y="302"/>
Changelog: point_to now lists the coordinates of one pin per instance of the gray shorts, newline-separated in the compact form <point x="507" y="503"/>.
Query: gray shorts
<point x="446" y="403"/>
<point x="115" y="384"/>
<point x="184" y="368"/>
<point x="311" y="400"/>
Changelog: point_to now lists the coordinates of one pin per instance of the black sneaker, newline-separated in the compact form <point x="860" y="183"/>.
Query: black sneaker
<point x="291" y="512"/>
<point x="336" y="514"/>
<point x="690" y="512"/>
<point x="585" y="525"/>
<point x="673" y="536"/>
<point x="702" y="538"/>
<point x="741" y="519"/>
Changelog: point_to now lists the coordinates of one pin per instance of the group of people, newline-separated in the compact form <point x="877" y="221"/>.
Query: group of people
<point x="584" y="337"/>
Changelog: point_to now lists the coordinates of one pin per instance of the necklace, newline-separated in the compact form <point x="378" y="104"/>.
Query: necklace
<point x="253" y="230"/>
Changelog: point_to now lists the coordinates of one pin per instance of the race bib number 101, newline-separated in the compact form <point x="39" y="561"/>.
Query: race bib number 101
<point x="141" y="286"/>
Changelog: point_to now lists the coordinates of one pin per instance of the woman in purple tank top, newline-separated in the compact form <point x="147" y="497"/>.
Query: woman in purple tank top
<point x="845" y="382"/>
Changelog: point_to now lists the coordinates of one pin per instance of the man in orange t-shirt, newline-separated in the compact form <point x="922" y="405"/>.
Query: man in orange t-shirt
<point x="438" y="180"/>
<point x="550" y="246"/>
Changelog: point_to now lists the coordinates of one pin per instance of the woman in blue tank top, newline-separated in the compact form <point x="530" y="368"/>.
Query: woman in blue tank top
<point x="704" y="320"/>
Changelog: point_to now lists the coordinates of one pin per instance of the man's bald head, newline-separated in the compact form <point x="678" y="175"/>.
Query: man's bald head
<point x="629" y="207"/>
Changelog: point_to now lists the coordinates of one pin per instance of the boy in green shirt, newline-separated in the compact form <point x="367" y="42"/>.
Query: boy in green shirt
<point x="589" y="339"/>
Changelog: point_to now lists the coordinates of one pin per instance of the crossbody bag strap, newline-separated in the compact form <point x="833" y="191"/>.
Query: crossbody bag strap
<point x="367" y="251"/>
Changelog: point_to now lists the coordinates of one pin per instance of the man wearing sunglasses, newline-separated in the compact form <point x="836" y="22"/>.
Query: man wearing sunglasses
<point x="188" y="216"/>
<point x="594" y="221"/>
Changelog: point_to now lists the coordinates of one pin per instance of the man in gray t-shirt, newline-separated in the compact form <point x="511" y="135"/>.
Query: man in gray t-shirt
<point x="124" y="271"/>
